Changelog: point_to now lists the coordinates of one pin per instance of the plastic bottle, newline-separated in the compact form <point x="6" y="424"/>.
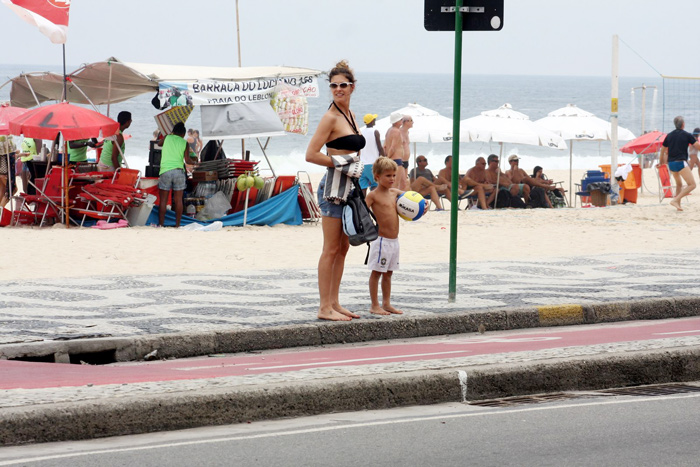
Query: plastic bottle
<point x="191" y="210"/>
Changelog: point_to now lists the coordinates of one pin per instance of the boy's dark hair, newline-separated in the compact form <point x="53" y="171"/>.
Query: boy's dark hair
<point x="447" y="159"/>
<point x="123" y="117"/>
<point x="179" y="129"/>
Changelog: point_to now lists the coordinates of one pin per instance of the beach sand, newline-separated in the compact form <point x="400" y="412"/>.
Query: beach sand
<point x="509" y="234"/>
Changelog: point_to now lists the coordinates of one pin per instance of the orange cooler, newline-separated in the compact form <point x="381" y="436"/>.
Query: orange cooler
<point x="628" y="188"/>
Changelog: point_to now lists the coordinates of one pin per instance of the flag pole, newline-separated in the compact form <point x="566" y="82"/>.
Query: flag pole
<point x="65" y="79"/>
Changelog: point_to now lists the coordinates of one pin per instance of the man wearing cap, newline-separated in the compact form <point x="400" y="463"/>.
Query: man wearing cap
<point x="393" y="148"/>
<point x="423" y="181"/>
<point x="538" y="188"/>
<point x="516" y="190"/>
<point x="693" y="153"/>
<point x="370" y="153"/>
<point x="675" y="152"/>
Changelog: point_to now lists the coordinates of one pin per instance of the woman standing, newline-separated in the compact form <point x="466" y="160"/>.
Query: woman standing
<point x="339" y="133"/>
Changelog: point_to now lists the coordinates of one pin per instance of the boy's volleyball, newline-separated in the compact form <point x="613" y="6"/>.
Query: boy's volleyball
<point x="410" y="206"/>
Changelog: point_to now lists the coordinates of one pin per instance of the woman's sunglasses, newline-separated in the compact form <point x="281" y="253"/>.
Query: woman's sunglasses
<point x="339" y="85"/>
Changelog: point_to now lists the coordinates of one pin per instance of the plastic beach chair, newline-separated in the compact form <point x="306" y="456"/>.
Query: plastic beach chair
<point x="43" y="206"/>
<point x="109" y="200"/>
<point x="664" y="179"/>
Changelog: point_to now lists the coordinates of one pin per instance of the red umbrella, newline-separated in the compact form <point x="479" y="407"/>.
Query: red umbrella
<point x="648" y="143"/>
<point x="8" y="113"/>
<point x="71" y="121"/>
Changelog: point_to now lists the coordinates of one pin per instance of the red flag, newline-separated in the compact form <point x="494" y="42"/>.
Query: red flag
<point x="50" y="16"/>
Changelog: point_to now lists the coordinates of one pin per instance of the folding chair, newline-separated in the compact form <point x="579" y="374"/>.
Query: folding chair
<point x="112" y="200"/>
<point x="560" y="187"/>
<point x="310" y="211"/>
<point x="43" y="206"/>
<point x="664" y="180"/>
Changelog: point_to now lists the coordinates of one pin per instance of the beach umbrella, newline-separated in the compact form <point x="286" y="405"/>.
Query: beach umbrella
<point x="428" y="125"/>
<point x="505" y="125"/>
<point x="648" y="143"/>
<point x="71" y="122"/>
<point x="575" y="124"/>
<point x="7" y="113"/>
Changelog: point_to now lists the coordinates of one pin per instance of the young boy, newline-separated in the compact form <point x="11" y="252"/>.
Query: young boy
<point x="384" y="251"/>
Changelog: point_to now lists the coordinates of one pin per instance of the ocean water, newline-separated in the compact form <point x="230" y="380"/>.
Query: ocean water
<point x="382" y="93"/>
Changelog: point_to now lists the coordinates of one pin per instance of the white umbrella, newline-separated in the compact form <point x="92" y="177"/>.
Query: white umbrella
<point x="576" y="124"/>
<point x="505" y="125"/>
<point x="428" y="125"/>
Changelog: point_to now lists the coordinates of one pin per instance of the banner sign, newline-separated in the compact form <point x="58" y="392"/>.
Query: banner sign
<point x="247" y="119"/>
<point x="235" y="92"/>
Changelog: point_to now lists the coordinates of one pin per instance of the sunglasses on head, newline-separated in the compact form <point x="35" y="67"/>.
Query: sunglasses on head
<point x="339" y="85"/>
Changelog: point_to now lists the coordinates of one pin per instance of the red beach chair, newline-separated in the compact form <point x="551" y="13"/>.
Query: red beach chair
<point x="43" y="206"/>
<point x="664" y="179"/>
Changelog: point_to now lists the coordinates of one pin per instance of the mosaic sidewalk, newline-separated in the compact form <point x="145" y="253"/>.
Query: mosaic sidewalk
<point x="122" y="306"/>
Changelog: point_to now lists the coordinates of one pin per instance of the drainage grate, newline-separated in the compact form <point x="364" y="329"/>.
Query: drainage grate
<point x="646" y="391"/>
<point x="522" y="400"/>
<point x="657" y="390"/>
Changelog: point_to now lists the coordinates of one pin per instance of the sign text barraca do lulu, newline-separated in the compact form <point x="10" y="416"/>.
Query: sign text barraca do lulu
<point x="224" y="92"/>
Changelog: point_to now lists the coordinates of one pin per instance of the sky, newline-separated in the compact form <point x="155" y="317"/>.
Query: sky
<point x="539" y="37"/>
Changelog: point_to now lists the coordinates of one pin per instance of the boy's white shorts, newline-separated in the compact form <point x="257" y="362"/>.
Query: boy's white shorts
<point x="384" y="255"/>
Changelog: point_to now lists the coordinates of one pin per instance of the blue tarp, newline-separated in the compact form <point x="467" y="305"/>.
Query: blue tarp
<point x="281" y="209"/>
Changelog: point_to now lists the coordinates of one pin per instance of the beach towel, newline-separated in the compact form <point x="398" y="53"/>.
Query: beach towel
<point x="338" y="183"/>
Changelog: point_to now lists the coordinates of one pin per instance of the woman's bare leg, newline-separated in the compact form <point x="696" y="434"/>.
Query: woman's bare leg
<point x="330" y="271"/>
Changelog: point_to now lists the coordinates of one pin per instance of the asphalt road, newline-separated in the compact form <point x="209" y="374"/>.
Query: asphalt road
<point x="589" y="430"/>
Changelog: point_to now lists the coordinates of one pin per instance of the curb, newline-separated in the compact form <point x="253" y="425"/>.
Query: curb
<point x="72" y="421"/>
<point x="185" y="345"/>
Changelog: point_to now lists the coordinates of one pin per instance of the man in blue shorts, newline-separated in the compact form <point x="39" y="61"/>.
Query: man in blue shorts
<point x="675" y="152"/>
<point x="370" y="153"/>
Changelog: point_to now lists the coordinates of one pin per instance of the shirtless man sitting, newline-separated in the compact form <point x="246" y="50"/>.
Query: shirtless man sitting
<point x="518" y="175"/>
<point x="475" y="179"/>
<point x="494" y="175"/>
<point x="394" y="149"/>
<point x="423" y="181"/>
<point x="444" y="177"/>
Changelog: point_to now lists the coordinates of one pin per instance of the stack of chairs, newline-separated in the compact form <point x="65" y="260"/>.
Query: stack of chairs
<point x="43" y="207"/>
<point x="112" y="199"/>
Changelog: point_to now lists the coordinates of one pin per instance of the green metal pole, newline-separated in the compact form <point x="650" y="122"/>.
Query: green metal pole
<point x="457" y="98"/>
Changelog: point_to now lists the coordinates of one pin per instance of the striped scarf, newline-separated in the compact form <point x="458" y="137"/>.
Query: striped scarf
<point x="338" y="183"/>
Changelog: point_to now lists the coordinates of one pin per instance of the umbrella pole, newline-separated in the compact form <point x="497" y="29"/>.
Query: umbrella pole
<point x="66" y="206"/>
<point x="245" y="208"/>
<point x="498" y="176"/>
<point x="571" y="167"/>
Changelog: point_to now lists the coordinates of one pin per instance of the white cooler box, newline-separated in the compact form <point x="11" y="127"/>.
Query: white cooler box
<point x="138" y="215"/>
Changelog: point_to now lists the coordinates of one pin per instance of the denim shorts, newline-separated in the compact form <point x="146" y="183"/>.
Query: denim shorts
<point x="677" y="166"/>
<point x="172" y="180"/>
<point x="328" y="209"/>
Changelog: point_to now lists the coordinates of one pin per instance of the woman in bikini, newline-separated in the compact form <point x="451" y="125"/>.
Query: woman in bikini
<point x="339" y="133"/>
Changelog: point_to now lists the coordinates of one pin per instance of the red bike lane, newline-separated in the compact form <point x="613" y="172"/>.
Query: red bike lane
<point x="29" y="375"/>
